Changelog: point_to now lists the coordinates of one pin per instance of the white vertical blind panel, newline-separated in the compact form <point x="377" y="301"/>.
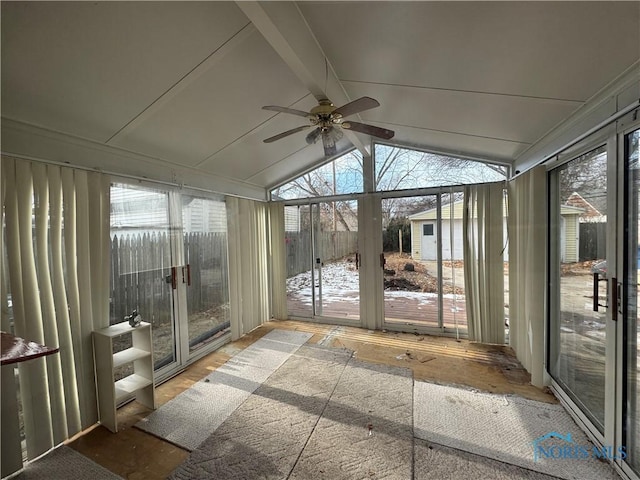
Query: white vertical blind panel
<point x="469" y="234"/>
<point x="60" y="301"/>
<point x="69" y="211"/>
<point x="278" y="261"/>
<point x="370" y="272"/>
<point x="33" y="376"/>
<point x="248" y="261"/>
<point x="235" y="294"/>
<point x="11" y="460"/>
<point x="99" y="253"/>
<point x="83" y="245"/>
<point x="483" y="262"/>
<point x="49" y="325"/>
<point x="262" y="251"/>
<point x="527" y="235"/>
<point x="248" y="269"/>
<point x="495" y="260"/>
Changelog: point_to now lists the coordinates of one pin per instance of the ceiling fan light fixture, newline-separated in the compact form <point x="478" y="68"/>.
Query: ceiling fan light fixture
<point x="335" y="134"/>
<point x="329" y="143"/>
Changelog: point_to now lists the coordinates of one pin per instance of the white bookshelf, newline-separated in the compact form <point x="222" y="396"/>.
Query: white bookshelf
<point x="140" y="383"/>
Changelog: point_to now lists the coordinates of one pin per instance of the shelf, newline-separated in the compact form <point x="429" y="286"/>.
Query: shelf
<point x="129" y="355"/>
<point x="130" y="384"/>
<point x="120" y="329"/>
<point x="140" y="384"/>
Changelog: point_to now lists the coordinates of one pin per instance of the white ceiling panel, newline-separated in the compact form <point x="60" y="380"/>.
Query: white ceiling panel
<point x="88" y="68"/>
<point x="564" y="50"/>
<point x="498" y="117"/>
<point x="249" y="156"/>
<point x="219" y="107"/>
<point x="455" y="143"/>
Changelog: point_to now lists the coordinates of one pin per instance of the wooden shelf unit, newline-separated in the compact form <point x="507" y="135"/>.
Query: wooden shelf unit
<point x="140" y="384"/>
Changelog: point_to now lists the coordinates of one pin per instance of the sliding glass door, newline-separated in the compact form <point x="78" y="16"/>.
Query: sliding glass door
<point x="204" y="270"/>
<point x="594" y="330"/>
<point x="580" y="279"/>
<point x="322" y="260"/>
<point x="424" y="282"/>
<point x="142" y="266"/>
<point x="630" y="401"/>
<point x="169" y="264"/>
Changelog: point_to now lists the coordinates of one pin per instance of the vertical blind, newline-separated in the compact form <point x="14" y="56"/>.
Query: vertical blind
<point x="483" y="251"/>
<point x="248" y="265"/>
<point x="278" y="261"/>
<point x="527" y="266"/>
<point x="56" y="230"/>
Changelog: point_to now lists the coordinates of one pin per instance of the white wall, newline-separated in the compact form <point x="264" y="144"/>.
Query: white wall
<point x="428" y="245"/>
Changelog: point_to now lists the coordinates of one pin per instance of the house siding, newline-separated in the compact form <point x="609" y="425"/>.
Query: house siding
<point x="571" y="239"/>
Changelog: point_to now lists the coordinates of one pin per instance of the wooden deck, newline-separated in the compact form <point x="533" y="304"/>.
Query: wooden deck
<point x="413" y="308"/>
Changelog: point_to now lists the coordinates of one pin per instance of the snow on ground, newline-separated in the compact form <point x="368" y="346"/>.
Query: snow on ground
<point x="340" y="283"/>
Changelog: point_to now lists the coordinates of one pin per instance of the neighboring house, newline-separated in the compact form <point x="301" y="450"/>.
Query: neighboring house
<point x="139" y="211"/>
<point x="570" y="218"/>
<point x="590" y="214"/>
<point x="292" y="218"/>
<point x="424" y="233"/>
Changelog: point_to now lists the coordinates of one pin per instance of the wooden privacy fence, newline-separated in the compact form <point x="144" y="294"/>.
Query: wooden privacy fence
<point x="592" y="245"/>
<point x="206" y="253"/>
<point x="331" y="246"/>
<point x="141" y="274"/>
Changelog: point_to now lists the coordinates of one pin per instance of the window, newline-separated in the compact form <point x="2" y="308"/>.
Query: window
<point x="400" y="168"/>
<point x="341" y="176"/>
<point x="427" y="229"/>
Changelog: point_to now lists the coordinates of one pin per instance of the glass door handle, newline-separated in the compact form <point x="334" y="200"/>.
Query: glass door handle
<point x="596" y="291"/>
<point x="616" y="292"/>
<point x="174" y="279"/>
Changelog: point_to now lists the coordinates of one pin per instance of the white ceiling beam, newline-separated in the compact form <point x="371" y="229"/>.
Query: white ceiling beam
<point x="285" y="28"/>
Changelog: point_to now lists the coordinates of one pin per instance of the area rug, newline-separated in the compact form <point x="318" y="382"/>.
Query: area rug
<point x="62" y="463"/>
<point x="189" y="418"/>
<point x="436" y="462"/>
<point x="323" y="414"/>
<point x="533" y="435"/>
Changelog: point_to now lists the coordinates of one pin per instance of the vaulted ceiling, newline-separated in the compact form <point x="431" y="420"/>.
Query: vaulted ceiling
<point x="173" y="90"/>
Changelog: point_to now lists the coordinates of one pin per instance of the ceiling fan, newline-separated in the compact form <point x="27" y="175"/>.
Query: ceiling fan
<point x="329" y="122"/>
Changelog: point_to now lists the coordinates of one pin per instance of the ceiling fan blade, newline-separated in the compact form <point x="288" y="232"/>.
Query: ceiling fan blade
<point x="285" y="134"/>
<point x="369" y="129"/>
<point x="314" y="136"/>
<point x="357" y="106"/>
<point x="292" y="111"/>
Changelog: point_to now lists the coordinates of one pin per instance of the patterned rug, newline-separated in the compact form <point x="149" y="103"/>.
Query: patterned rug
<point x="307" y="412"/>
<point x="537" y="436"/>
<point x="323" y="414"/>
<point x="189" y="418"/>
<point x="64" y="463"/>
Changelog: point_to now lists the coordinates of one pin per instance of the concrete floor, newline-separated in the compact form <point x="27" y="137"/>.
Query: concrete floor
<point x="136" y="455"/>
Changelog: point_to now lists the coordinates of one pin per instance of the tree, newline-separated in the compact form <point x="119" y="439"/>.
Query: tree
<point x="395" y="169"/>
<point x="390" y="237"/>
<point x="400" y="168"/>
<point x="586" y="175"/>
